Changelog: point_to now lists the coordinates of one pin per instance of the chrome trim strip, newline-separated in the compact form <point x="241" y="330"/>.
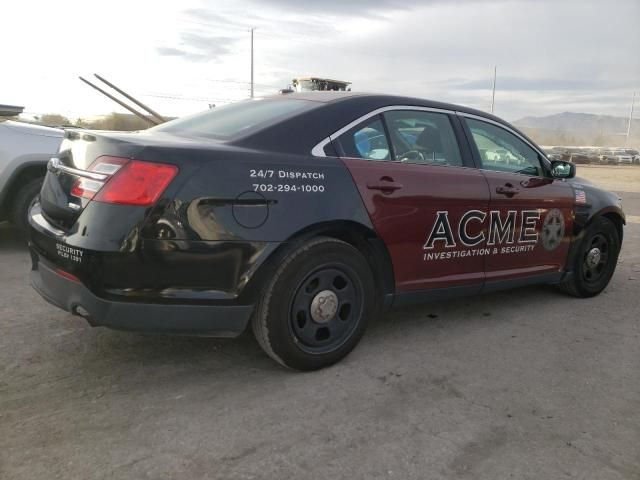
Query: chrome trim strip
<point x="318" y="150"/>
<point x="40" y="220"/>
<point x="55" y="166"/>
<point x="526" y="175"/>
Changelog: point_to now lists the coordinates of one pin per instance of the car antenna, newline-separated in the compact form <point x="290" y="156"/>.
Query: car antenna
<point x="153" y="113"/>
<point x="144" y="117"/>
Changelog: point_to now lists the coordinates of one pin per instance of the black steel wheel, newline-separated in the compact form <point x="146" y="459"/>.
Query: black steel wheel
<point x="317" y="305"/>
<point x="326" y="308"/>
<point x="596" y="259"/>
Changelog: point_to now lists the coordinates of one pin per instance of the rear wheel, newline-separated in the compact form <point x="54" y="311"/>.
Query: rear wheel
<point x="316" y="308"/>
<point x="22" y="200"/>
<point x="596" y="259"/>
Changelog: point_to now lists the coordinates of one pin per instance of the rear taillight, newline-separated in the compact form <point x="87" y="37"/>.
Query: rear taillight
<point x="88" y="187"/>
<point x="137" y="183"/>
<point x="129" y="182"/>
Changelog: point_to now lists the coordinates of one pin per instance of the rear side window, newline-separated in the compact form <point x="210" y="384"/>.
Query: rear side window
<point x="422" y="137"/>
<point x="368" y="140"/>
<point x="407" y="136"/>
<point x="236" y="119"/>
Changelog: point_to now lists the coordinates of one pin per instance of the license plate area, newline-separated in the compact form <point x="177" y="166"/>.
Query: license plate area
<point x="69" y="254"/>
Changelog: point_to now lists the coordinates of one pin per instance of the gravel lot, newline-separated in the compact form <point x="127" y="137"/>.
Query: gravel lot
<point x="523" y="384"/>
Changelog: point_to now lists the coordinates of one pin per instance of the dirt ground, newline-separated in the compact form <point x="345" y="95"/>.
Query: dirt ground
<point x="621" y="178"/>
<point x="521" y="384"/>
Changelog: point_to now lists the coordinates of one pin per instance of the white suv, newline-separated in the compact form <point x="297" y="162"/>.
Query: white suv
<point x="634" y="154"/>
<point x="25" y="150"/>
<point x="623" y="157"/>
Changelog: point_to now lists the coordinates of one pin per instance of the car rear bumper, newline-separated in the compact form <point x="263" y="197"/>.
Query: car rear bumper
<point x="63" y="291"/>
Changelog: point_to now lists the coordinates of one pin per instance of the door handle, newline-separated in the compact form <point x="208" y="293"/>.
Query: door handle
<point x="508" y="190"/>
<point x="384" y="186"/>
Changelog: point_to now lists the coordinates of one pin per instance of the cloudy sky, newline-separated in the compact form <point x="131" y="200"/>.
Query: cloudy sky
<point x="552" y="56"/>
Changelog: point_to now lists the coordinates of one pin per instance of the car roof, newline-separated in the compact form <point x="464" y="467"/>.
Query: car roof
<point x="319" y="96"/>
<point x="378" y="98"/>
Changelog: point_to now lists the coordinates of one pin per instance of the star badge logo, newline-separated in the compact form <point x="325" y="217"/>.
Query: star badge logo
<point x="552" y="229"/>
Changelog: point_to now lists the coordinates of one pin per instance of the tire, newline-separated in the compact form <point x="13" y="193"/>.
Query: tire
<point x="22" y="200"/>
<point x="284" y="324"/>
<point x="591" y="277"/>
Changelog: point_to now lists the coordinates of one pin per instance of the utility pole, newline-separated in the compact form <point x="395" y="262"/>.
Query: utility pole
<point x="493" y="95"/>
<point x="633" y="101"/>
<point x="252" y="29"/>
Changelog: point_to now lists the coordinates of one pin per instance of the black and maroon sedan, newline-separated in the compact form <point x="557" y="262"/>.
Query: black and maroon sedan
<point x="305" y="214"/>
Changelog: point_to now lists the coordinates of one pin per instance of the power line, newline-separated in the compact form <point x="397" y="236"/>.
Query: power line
<point x="196" y="99"/>
<point x="246" y="84"/>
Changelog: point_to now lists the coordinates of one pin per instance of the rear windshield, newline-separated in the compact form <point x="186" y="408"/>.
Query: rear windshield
<point x="236" y="119"/>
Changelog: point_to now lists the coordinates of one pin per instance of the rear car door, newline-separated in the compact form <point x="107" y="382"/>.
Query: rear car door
<point x="530" y="214"/>
<point x="418" y="188"/>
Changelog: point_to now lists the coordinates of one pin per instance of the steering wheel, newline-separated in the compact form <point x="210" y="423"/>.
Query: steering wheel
<point x="412" y="156"/>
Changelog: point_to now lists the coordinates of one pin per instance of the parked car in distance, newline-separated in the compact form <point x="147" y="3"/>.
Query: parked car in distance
<point x="561" y="153"/>
<point x="500" y="155"/>
<point x="623" y="157"/>
<point x="25" y="150"/>
<point x="635" y="154"/>
<point x="592" y="154"/>
<point x="608" y="157"/>
<point x="551" y="153"/>
<point x="580" y="156"/>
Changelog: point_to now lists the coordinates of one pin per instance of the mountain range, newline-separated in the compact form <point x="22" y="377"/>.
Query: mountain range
<point x="570" y="128"/>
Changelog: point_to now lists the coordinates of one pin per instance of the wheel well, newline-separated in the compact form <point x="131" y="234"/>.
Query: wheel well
<point x="19" y="179"/>
<point x="366" y="241"/>
<point x="617" y="221"/>
<point x="360" y="237"/>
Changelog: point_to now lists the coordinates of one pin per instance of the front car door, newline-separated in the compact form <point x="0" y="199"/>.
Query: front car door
<point x="419" y="186"/>
<point x="530" y="213"/>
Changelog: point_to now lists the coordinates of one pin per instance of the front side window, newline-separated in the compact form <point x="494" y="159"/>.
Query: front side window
<point x="368" y="140"/>
<point x="502" y="151"/>
<point x="422" y="137"/>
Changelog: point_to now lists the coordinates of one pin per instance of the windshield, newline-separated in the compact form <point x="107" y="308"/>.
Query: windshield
<point x="236" y="119"/>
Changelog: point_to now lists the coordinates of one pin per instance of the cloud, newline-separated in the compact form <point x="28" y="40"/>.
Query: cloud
<point x="359" y="7"/>
<point x="207" y="15"/>
<point x="535" y="83"/>
<point x="286" y="20"/>
<point x="198" y="47"/>
<point x="551" y="55"/>
<point x="170" y="52"/>
<point x="546" y="57"/>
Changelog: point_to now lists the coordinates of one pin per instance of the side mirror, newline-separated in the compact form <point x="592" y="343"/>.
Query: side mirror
<point x="562" y="169"/>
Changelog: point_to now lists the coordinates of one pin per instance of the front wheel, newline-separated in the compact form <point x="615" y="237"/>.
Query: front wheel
<point x="316" y="307"/>
<point x="596" y="259"/>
